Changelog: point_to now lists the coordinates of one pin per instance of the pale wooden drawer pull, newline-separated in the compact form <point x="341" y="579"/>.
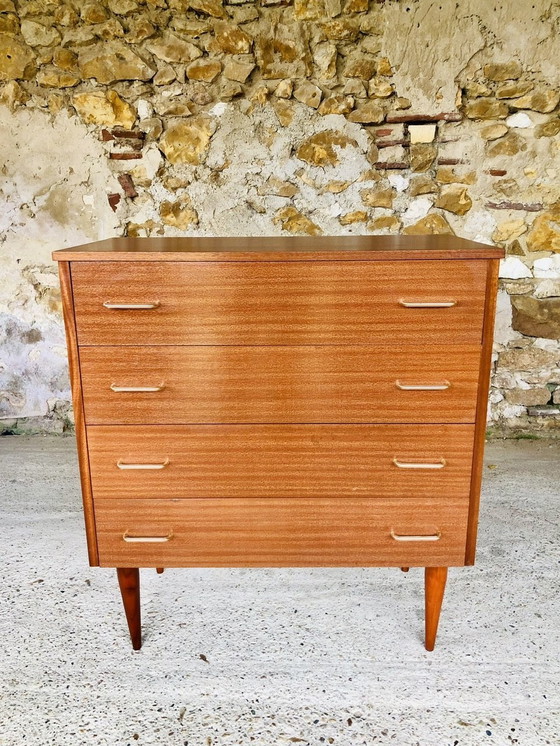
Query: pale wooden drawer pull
<point x="123" y="465"/>
<point x="131" y="306"/>
<point x="147" y="539"/>
<point x="428" y="304"/>
<point x="416" y="537"/>
<point x="439" y="464"/>
<point x="443" y="386"/>
<point x="126" y="389"/>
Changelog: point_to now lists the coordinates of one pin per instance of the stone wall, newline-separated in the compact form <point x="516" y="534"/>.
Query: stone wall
<point x="232" y="117"/>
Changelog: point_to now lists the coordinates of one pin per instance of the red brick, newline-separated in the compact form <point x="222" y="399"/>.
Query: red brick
<point x="114" y="200"/>
<point x="125" y="180"/>
<point x="453" y="116"/>
<point x="527" y="207"/>
<point x="391" y="166"/>
<point x="124" y="156"/>
<point x="389" y="143"/>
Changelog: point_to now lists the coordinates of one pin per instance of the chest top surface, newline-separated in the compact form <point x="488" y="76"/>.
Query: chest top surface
<point x="281" y="248"/>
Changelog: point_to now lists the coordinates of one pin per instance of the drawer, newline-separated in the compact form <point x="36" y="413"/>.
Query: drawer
<point x="266" y="461"/>
<point x="280" y="533"/>
<point x="269" y="303"/>
<point x="233" y="384"/>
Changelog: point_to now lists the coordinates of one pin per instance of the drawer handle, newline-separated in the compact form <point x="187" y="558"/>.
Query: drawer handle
<point x="131" y="306"/>
<point x="428" y="304"/>
<point x="439" y="464"/>
<point x="147" y="539"/>
<point x="416" y="537"/>
<point x="123" y="389"/>
<point x="124" y="465"/>
<point x="443" y="386"/>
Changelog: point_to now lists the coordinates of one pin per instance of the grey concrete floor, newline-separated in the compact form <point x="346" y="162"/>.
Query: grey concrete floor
<point x="320" y="656"/>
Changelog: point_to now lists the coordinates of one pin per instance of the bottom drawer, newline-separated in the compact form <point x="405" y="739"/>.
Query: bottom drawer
<point x="298" y="532"/>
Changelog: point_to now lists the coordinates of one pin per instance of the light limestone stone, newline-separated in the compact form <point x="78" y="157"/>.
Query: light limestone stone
<point x="293" y="221"/>
<point x="213" y="8"/>
<point x="106" y="109"/>
<point x="239" y="70"/>
<point x="542" y="99"/>
<point x="37" y="35"/>
<point x="178" y="214"/>
<point x="188" y="141"/>
<point x="231" y="39"/>
<point x="16" y="59"/>
<point x="500" y="71"/>
<point x="377" y="197"/>
<point x="370" y="113"/>
<point x="52" y="77"/>
<point x="113" y="61"/>
<point x="308" y="94"/>
<point x="171" y="48"/>
<point x="544" y="234"/>
<point x="509" y="230"/>
<point x="322" y="149"/>
<point x="513" y="268"/>
<point x="204" y="69"/>
<point x="494" y="131"/>
<point x="432" y="224"/>
<point x="424" y="133"/>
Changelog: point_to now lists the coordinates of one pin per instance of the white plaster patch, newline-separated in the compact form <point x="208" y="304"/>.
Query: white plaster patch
<point x="503" y="333"/>
<point x="398" y="182"/>
<point x="547" y="266"/>
<point x="480" y="225"/>
<point x="144" y="108"/>
<point x="520" y="120"/>
<point x="219" y="109"/>
<point x="512" y="268"/>
<point x="417" y="209"/>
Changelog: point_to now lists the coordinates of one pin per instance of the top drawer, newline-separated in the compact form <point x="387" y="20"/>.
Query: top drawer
<point x="273" y="303"/>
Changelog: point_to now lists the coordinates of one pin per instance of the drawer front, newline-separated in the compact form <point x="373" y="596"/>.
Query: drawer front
<point x="280" y="533"/>
<point x="232" y="384"/>
<point x="269" y="303"/>
<point x="266" y="461"/>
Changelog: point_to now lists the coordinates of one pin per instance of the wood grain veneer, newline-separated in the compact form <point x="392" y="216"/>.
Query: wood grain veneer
<point x="274" y="303"/>
<point x="482" y="408"/>
<point x="280" y="460"/>
<point x="277" y="421"/>
<point x="78" y="405"/>
<point x="280" y="248"/>
<point x="280" y="533"/>
<point x="236" y="384"/>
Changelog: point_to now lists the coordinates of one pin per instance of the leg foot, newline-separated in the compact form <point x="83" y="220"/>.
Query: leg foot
<point x="129" y="583"/>
<point x="435" y="578"/>
<point x="405" y="569"/>
<point x="159" y="570"/>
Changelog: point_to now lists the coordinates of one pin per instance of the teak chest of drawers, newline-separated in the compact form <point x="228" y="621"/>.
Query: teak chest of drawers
<point x="272" y="402"/>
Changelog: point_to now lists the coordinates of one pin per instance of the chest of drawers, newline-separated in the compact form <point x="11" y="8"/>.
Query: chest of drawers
<point x="272" y="402"/>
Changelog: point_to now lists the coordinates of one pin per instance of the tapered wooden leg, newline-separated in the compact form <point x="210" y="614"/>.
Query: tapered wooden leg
<point x="435" y="578"/>
<point x="129" y="583"/>
<point x="159" y="570"/>
<point x="405" y="569"/>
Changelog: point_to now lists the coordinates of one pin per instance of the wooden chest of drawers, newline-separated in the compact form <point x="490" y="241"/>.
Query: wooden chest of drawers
<point x="278" y="402"/>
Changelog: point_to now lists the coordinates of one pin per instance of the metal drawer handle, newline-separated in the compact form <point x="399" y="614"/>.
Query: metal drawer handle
<point x="443" y="386"/>
<point x="124" y="465"/>
<point x="123" y="389"/>
<point x="131" y="306"/>
<point x="428" y="304"/>
<point x="416" y="537"/>
<point x="439" y="464"/>
<point x="147" y="539"/>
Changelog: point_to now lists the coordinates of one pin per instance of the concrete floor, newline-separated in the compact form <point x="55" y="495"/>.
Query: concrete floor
<point x="316" y="656"/>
